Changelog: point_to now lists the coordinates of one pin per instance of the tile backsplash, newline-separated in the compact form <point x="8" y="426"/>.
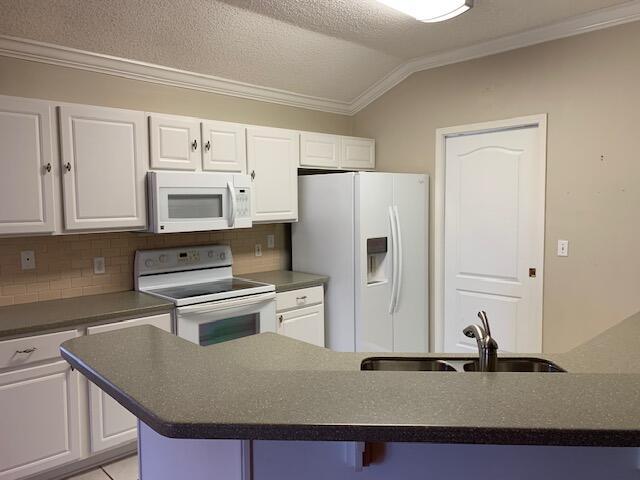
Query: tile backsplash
<point x="64" y="263"/>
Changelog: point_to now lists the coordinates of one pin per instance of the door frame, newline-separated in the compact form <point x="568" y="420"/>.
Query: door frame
<point x="539" y="121"/>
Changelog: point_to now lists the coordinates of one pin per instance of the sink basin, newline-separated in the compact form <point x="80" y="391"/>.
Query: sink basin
<point x="536" y="365"/>
<point x="406" y="364"/>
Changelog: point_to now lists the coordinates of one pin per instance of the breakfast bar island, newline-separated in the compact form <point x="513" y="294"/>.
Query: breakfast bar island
<point x="268" y="407"/>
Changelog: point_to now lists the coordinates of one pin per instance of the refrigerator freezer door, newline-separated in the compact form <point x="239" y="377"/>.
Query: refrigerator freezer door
<point x="374" y="327"/>
<point x="323" y="243"/>
<point x="410" y="317"/>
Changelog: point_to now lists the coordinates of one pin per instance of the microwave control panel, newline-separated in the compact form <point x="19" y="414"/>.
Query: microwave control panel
<point x="244" y="202"/>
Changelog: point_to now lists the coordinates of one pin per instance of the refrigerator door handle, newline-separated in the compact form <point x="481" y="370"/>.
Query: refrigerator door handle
<point x="399" y="257"/>
<point x="394" y="260"/>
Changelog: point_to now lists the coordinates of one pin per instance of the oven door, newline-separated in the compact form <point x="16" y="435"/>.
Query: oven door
<point x="220" y="321"/>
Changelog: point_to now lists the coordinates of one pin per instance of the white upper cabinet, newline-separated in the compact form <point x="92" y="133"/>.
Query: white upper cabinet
<point x="272" y="160"/>
<point x="358" y="153"/>
<point x="175" y="142"/>
<point x="26" y="160"/>
<point x="319" y="150"/>
<point x="223" y="147"/>
<point x="104" y="158"/>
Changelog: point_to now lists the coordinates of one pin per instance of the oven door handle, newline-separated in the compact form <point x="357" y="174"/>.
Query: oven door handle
<point x="225" y="304"/>
<point x="234" y="204"/>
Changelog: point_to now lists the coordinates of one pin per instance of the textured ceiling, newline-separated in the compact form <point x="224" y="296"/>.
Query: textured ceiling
<point x="325" y="48"/>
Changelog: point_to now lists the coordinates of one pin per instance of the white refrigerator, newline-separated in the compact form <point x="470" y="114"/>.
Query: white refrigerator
<point x="368" y="232"/>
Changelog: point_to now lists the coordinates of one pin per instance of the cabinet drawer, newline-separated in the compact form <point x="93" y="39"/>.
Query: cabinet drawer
<point x="162" y="321"/>
<point x="299" y="298"/>
<point x="26" y="350"/>
<point x="305" y="324"/>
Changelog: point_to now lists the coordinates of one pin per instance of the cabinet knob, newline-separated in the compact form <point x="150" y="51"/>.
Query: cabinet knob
<point x="280" y="318"/>
<point x="67" y="166"/>
<point x="253" y="174"/>
<point x="207" y="146"/>
<point x="47" y="168"/>
<point x="194" y="144"/>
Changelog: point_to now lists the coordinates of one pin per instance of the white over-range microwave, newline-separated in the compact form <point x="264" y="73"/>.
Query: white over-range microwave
<point x="197" y="201"/>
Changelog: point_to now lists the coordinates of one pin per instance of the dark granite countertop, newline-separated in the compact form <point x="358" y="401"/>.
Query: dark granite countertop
<point x="286" y="280"/>
<point x="271" y="387"/>
<point x="51" y="315"/>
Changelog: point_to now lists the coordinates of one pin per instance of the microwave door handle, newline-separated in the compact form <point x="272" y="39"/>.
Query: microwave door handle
<point x="234" y="204"/>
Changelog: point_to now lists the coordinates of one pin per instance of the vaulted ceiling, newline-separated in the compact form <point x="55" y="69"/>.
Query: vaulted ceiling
<point x="334" y="49"/>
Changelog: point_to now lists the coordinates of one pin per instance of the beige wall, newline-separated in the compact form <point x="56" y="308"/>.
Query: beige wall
<point x="589" y="86"/>
<point x="38" y="80"/>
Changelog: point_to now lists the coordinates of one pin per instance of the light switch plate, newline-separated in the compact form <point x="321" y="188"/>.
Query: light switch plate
<point x="28" y="259"/>
<point x="98" y="265"/>
<point x="271" y="241"/>
<point x="258" y="250"/>
<point x="563" y="248"/>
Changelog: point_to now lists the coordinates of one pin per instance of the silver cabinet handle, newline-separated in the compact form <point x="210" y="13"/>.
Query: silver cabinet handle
<point x="67" y="166"/>
<point x="194" y="144"/>
<point x="27" y="350"/>
<point x="304" y="297"/>
<point x="47" y="168"/>
<point x="207" y="146"/>
<point x="253" y="174"/>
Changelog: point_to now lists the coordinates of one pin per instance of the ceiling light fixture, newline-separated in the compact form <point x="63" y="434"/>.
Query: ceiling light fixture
<point x="430" y="10"/>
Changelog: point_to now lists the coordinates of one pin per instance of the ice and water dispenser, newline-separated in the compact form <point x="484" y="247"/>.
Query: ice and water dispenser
<point x="376" y="260"/>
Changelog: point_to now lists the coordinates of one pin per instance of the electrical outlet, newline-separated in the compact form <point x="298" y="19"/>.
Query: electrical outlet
<point x="563" y="248"/>
<point x="271" y="241"/>
<point x="258" y="250"/>
<point x="28" y="259"/>
<point x="98" y="265"/>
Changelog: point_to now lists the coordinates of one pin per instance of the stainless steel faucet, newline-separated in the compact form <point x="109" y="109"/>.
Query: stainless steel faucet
<point x="487" y="346"/>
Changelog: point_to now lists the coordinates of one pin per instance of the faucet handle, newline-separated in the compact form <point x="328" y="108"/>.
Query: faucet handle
<point x="485" y="322"/>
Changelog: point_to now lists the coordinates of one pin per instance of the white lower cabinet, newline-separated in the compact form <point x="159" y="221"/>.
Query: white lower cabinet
<point x="110" y="423"/>
<point x="301" y="314"/>
<point x="39" y="413"/>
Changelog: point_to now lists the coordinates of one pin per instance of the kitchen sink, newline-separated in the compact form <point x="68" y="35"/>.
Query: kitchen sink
<point x="421" y="364"/>
<point x="406" y="364"/>
<point x="535" y="365"/>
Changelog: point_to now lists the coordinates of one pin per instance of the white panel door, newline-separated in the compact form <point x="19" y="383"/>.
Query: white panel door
<point x="26" y="160"/>
<point x="272" y="160"/>
<point x="104" y="157"/>
<point x="411" y="318"/>
<point x="174" y="142"/>
<point x="110" y="423"/>
<point x="39" y="419"/>
<point x="494" y="203"/>
<point x="319" y="150"/>
<point x="305" y="324"/>
<point x="374" y="322"/>
<point x="358" y="153"/>
<point x="224" y="147"/>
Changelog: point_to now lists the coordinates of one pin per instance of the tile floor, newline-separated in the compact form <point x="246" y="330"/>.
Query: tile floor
<point x="125" y="469"/>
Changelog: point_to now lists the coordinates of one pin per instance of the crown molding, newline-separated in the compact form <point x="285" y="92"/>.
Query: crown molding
<point x="95" y="62"/>
<point x="598" y="20"/>
<point x="122" y="67"/>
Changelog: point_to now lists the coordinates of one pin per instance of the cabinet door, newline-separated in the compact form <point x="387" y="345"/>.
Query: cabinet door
<point x="110" y="423"/>
<point x="306" y="324"/>
<point x="272" y="160"/>
<point x="39" y="419"/>
<point x="358" y="153"/>
<point x="103" y="162"/>
<point x="26" y="160"/>
<point x="175" y="142"/>
<point x="224" y="147"/>
<point x="319" y="151"/>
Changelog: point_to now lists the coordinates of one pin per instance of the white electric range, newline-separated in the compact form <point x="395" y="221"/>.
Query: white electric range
<point x="212" y="306"/>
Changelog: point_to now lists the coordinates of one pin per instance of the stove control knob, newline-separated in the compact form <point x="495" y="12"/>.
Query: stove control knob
<point x="223" y="255"/>
<point x="163" y="258"/>
<point x="148" y="263"/>
<point x="210" y="253"/>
